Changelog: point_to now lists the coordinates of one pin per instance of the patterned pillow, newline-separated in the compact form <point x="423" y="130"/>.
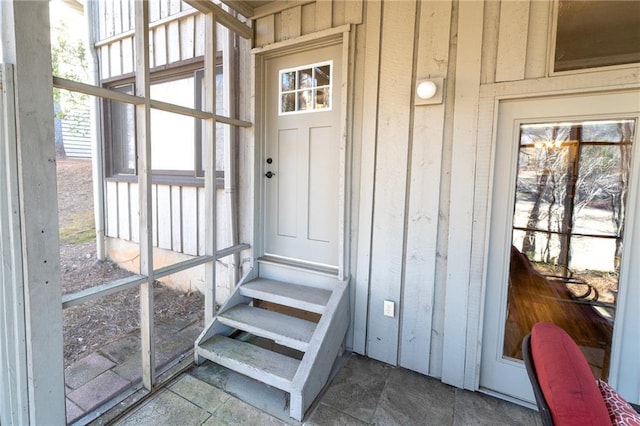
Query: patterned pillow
<point x="620" y="412"/>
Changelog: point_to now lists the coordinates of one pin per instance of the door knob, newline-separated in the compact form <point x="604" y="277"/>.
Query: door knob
<point x="269" y="174"/>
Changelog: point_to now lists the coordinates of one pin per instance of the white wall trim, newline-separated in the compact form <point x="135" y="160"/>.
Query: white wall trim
<point x="332" y="36"/>
<point x="299" y="43"/>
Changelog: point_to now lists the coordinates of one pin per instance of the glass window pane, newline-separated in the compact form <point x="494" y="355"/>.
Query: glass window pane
<point x="601" y="189"/>
<point x="607" y="131"/>
<point x="173" y="135"/>
<point x="288" y="102"/>
<point x="305" y="100"/>
<point x="306" y="79"/>
<point x="323" y="75"/>
<point x="323" y="97"/>
<point x="597" y="33"/>
<point x="541" y="188"/>
<point x="172" y="141"/>
<point x="178" y="92"/>
<point x="122" y="135"/>
<point x="593" y="254"/>
<point x="288" y="81"/>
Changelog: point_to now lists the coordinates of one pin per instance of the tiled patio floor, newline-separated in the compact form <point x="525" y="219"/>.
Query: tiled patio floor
<point x="363" y="392"/>
<point x="103" y="374"/>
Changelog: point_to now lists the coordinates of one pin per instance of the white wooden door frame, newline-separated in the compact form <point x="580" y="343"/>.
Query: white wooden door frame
<point x="490" y="97"/>
<point x="332" y="36"/>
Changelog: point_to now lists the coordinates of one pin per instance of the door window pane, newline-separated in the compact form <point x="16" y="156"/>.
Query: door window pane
<point x="597" y="33"/>
<point x="568" y="226"/>
<point x="305" y="89"/>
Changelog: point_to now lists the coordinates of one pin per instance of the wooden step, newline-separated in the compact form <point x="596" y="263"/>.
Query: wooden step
<point x="283" y="329"/>
<point x="260" y="364"/>
<point x="296" y="296"/>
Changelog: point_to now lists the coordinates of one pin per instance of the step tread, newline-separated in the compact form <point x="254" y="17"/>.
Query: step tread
<point x="261" y="364"/>
<point x="293" y="295"/>
<point x="286" y="330"/>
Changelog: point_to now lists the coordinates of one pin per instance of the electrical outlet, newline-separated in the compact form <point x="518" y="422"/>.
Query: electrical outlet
<point x="389" y="308"/>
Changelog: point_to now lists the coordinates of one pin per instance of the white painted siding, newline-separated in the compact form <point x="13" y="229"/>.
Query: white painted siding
<point x="76" y="132"/>
<point x="178" y="216"/>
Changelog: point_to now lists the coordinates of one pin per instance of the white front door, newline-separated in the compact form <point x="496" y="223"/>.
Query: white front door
<point x="301" y="162"/>
<point x="564" y="235"/>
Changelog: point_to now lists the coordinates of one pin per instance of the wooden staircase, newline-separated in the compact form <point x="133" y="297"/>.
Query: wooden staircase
<point x="318" y="343"/>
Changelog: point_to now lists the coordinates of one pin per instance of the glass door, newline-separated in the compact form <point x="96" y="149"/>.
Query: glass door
<point x="560" y="241"/>
<point x="568" y="224"/>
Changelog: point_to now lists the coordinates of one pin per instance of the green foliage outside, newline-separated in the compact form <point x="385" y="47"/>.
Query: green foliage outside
<point x="68" y="60"/>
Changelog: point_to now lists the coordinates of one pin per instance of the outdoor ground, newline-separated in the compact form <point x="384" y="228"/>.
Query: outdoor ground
<point x="92" y="325"/>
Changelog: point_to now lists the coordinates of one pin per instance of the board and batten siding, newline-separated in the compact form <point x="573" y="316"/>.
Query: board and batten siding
<point x="419" y="198"/>
<point x="178" y="224"/>
<point x="176" y="34"/>
<point x="177" y="215"/>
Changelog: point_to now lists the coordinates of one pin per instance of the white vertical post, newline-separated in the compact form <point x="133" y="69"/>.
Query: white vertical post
<point x="143" y="132"/>
<point x="230" y="77"/>
<point x="210" y="166"/>
<point x="97" y="157"/>
<point x="30" y="262"/>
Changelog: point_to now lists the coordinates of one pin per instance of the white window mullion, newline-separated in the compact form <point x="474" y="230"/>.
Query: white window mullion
<point x="210" y="165"/>
<point x="143" y="132"/>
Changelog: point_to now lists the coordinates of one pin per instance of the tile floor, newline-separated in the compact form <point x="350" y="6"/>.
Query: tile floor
<point x="363" y="392"/>
<point x="105" y="373"/>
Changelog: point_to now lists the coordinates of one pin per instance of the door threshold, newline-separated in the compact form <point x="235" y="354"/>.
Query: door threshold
<point x="331" y="271"/>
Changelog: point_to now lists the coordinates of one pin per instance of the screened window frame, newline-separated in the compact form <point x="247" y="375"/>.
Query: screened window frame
<point x="172" y="72"/>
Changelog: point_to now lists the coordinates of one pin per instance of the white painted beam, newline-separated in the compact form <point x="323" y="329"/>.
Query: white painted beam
<point x="210" y="166"/>
<point x="101" y="92"/>
<point x="33" y="269"/>
<point x="222" y="16"/>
